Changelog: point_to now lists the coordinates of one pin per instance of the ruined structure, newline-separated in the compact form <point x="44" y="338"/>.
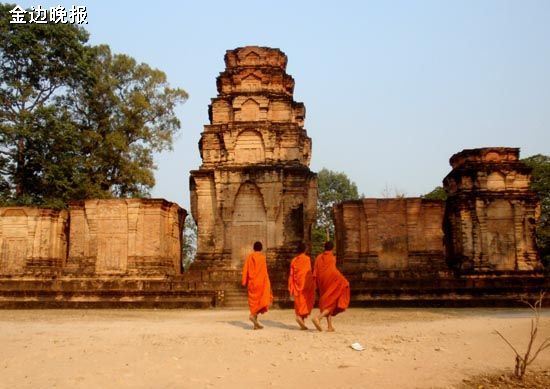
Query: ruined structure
<point x="32" y="240"/>
<point x="477" y="247"/>
<point x="125" y="237"/>
<point x="99" y="253"/>
<point x="491" y="213"/>
<point x="402" y="235"/>
<point x="254" y="183"/>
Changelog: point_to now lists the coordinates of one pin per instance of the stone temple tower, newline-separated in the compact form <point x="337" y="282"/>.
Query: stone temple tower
<point x="254" y="183"/>
<point x="491" y="213"/>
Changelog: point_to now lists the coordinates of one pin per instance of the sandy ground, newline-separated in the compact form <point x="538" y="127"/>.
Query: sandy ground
<point x="405" y="348"/>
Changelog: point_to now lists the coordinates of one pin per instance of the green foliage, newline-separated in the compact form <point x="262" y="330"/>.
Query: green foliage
<point x="77" y="121"/>
<point x="125" y="114"/>
<point x="38" y="62"/>
<point x="318" y="239"/>
<point x="333" y="188"/>
<point x="437" y="194"/>
<point x="540" y="184"/>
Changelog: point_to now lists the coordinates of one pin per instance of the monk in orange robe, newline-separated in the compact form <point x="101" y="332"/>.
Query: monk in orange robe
<point x="333" y="287"/>
<point x="301" y="285"/>
<point x="259" y="288"/>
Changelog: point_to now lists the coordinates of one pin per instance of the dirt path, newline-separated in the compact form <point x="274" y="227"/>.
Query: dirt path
<point x="405" y="348"/>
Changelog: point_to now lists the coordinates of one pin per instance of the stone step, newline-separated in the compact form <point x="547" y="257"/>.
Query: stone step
<point x="241" y="305"/>
<point x="235" y="298"/>
<point x="240" y="291"/>
<point x="100" y="303"/>
<point x="101" y="293"/>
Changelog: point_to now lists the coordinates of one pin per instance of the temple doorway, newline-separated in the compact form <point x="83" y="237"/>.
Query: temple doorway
<point x="249" y="223"/>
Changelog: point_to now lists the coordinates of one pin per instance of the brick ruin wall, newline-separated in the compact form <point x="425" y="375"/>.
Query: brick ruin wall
<point x="93" y="238"/>
<point x="98" y="253"/>
<point x="476" y="248"/>
<point x="32" y="240"/>
<point x="390" y="235"/>
<point x="486" y="225"/>
<point x="125" y="237"/>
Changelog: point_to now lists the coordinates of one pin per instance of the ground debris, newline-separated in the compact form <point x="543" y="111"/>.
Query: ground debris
<point x="531" y="380"/>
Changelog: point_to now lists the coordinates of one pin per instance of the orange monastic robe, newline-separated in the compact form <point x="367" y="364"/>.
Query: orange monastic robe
<point x="259" y="288"/>
<point x="333" y="286"/>
<point x="301" y="285"/>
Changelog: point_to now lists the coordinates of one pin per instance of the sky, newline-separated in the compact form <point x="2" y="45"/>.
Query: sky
<point x="392" y="89"/>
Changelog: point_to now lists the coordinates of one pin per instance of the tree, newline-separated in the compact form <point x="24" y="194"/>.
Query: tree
<point x="52" y="162"/>
<point x="77" y="121"/>
<point x="540" y="184"/>
<point x="38" y="62"/>
<point x="523" y="360"/>
<point x="125" y="114"/>
<point x="333" y="188"/>
<point x="437" y="194"/>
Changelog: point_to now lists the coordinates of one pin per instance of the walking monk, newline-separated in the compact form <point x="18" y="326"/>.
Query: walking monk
<point x="259" y="288"/>
<point x="333" y="287"/>
<point x="301" y="285"/>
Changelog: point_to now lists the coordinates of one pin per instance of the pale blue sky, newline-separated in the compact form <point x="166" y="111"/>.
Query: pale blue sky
<point x="392" y="88"/>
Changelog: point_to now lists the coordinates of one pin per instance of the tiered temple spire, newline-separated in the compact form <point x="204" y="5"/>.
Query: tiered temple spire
<point x="254" y="182"/>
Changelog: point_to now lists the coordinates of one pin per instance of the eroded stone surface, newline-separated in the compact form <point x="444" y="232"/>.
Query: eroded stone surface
<point x="403" y="235"/>
<point x="32" y="240"/>
<point x="486" y="225"/>
<point x="121" y="237"/>
<point x="254" y="183"/>
<point x="125" y="237"/>
<point x="100" y="253"/>
<point x="491" y="213"/>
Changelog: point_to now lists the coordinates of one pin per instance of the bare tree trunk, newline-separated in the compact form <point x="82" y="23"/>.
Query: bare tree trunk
<point x="523" y="361"/>
<point x="19" y="168"/>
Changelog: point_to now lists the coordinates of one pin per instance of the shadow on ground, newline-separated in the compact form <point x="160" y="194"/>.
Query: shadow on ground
<point x="278" y="324"/>
<point x="265" y="323"/>
<point x="240" y="324"/>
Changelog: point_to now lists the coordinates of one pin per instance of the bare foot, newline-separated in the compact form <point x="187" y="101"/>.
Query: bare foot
<point x="301" y="323"/>
<point x="330" y="328"/>
<point x="254" y="320"/>
<point x="316" y="323"/>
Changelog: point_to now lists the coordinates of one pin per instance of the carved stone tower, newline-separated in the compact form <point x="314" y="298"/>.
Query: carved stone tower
<point x="254" y="183"/>
<point x="490" y="212"/>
